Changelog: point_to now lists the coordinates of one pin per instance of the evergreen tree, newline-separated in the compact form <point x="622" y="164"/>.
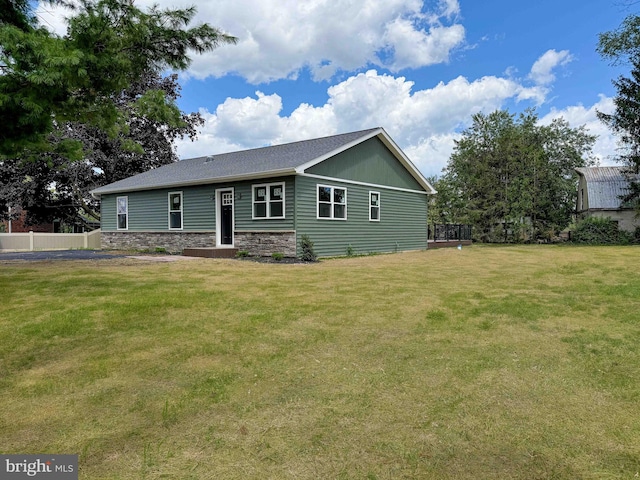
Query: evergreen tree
<point x="623" y="46"/>
<point x="110" y="45"/>
<point x="16" y="13"/>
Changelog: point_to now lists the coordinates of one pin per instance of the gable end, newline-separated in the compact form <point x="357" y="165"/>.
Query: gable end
<point x="372" y="162"/>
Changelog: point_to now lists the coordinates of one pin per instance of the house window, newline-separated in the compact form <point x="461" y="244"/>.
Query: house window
<point x="227" y="199"/>
<point x="268" y="201"/>
<point x="123" y="212"/>
<point x="332" y="202"/>
<point x="175" y="210"/>
<point x="374" y="206"/>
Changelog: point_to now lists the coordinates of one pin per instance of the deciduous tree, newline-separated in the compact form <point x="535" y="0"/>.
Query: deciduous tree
<point x="512" y="178"/>
<point x="57" y="187"/>
<point x="622" y="45"/>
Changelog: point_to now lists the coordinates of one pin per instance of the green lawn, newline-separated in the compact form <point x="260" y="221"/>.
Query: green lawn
<point x="509" y="362"/>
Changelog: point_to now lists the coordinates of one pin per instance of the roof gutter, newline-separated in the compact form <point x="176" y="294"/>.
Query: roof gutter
<point x="232" y="178"/>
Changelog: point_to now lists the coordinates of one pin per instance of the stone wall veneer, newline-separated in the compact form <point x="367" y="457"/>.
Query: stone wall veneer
<point x="173" y="242"/>
<point x="262" y="244"/>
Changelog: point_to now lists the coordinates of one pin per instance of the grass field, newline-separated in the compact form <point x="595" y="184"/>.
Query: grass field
<point x="510" y="363"/>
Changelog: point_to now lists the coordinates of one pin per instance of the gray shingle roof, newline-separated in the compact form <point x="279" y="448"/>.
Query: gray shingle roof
<point x="605" y="185"/>
<point x="254" y="163"/>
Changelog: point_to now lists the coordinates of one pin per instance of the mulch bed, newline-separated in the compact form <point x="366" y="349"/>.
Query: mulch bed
<point x="288" y="260"/>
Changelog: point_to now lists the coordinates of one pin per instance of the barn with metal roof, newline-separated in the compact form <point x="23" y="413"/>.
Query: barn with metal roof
<point x="600" y="192"/>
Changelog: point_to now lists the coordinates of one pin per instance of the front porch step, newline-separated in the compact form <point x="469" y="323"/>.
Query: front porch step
<point x="210" y="252"/>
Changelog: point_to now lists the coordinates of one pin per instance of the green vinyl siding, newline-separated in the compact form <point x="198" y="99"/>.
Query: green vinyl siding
<point x="199" y="208"/>
<point x="244" y="206"/>
<point x="149" y="209"/>
<point x="368" y="162"/>
<point x="402" y="225"/>
<point x="108" y="212"/>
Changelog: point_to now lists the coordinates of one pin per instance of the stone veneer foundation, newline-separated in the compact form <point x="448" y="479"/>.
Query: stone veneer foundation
<point x="173" y="242"/>
<point x="264" y="244"/>
<point x="256" y="243"/>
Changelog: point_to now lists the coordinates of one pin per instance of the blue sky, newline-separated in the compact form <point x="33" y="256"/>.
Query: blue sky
<point x="420" y="69"/>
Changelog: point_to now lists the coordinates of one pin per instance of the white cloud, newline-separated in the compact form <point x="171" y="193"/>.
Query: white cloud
<point x="249" y="120"/>
<point x="414" y="48"/>
<point x="432" y="154"/>
<point x="542" y="70"/>
<point x="279" y="38"/>
<point x="424" y="123"/>
<point x="449" y="8"/>
<point x="605" y="147"/>
<point x="326" y="37"/>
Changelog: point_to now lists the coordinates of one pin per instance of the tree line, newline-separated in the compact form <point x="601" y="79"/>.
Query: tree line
<point x="512" y="178"/>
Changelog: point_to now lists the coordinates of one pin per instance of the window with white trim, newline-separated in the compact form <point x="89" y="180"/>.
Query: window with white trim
<point x="122" y="206"/>
<point x="175" y="210"/>
<point x="332" y="202"/>
<point x="268" y="200"/>
<point x="374" y="206"/>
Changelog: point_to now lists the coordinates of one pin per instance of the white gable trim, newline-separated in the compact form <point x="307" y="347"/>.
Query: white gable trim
<point x="322" y="158"/>
<point x="408" y="164"/>
<point x="390" y="144"/>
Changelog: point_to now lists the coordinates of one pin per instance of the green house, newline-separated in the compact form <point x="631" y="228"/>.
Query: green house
<point x="356" y="192"/>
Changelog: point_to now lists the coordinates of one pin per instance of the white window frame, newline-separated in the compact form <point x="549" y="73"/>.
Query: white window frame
<point x="125" y="213"/>
<point x="181" y="210"/>
<point x="372" y="206"/>
<point x="332" y="203"/>
<point x="267" y="201"/>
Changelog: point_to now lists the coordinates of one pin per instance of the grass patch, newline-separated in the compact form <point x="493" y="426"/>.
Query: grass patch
<point x="515" y="362"/>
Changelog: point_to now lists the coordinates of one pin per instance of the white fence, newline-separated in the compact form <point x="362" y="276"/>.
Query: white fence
<point x="48" y="241"/>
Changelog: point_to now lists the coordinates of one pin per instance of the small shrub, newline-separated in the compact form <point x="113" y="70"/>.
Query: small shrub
<point x="242" y="254"/>
<point x="350" y="251"/>
<point x="277" y="256"/>
<point x="161" y="250"/>
<point x="306" y="246"/>
<point x="599" y="231"/>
